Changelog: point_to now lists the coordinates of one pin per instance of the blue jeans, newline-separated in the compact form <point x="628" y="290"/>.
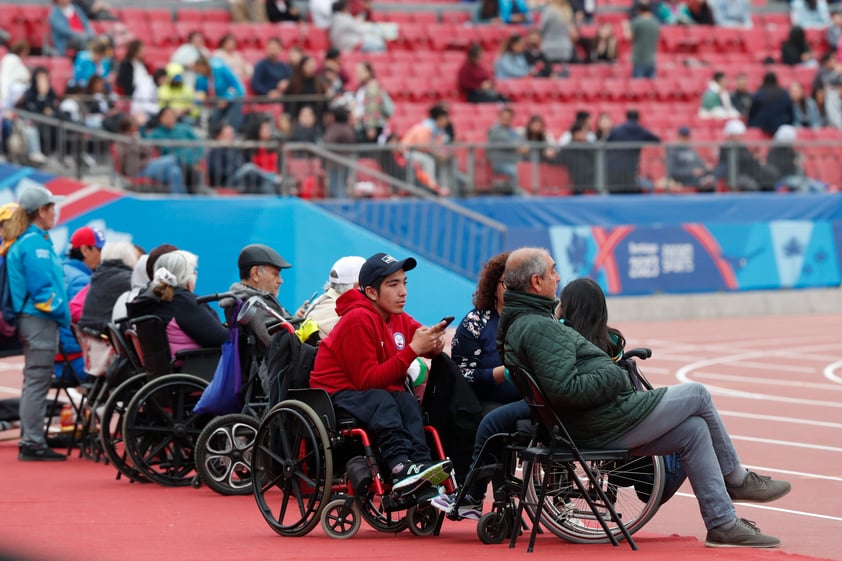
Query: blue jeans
<point x="167" y="171"/>
<point x="501" y="420"/>
<point x="39" y="337"/>
<point x="337" y="181"/>
<point x="686" y="421"/>
<point x="643" y="71"/>
<point x="251" y="179"/>
<point x="232" y="115"/>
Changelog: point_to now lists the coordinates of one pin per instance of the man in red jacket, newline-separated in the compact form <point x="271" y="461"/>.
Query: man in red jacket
<point x="363" y="365"/>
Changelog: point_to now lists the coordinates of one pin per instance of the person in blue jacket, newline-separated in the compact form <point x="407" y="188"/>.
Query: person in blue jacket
<point x="36" y="283"/>
<point x="218" y="82"/>
<point x="82" y="258"/>
<point x="69" y="27"/>
<point x="94" y="61"/>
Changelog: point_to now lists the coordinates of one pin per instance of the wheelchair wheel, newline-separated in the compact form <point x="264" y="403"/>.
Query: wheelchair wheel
<point x="223" y="454"/>
<point x="634" y="486"/>
<point x="423" y="519"/>
<point x="341" y="518"/>
<point x="160" y="429"/>
<point x="111" y="427"/>
<point x="494" y="527"/>
<point x="292" y="468"/>
<point x="376" y="516"/>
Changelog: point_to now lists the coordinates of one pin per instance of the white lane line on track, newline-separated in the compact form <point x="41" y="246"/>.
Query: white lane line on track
<point x="767" y="366"/>
<point x="776" y="509"/>
<point x="830" y="372"/>
<point x="7" y="389"/>
<point x="789" y="443"/>
<point x="715" y="390"/>
<point x="11" y="366"/>
<point x="765" y="381"/>
<point x="792" y="420"/>
<point x="683" y="374"/>
<point x="803" y="474"/>
<point x="731" y="344"/>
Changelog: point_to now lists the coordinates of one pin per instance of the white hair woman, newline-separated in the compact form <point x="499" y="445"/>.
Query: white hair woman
<point x="110" y="279"/>
<point x="189" y="324"/>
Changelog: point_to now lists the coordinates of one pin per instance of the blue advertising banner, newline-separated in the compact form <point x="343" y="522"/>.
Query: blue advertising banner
<point x="700" y="257"/>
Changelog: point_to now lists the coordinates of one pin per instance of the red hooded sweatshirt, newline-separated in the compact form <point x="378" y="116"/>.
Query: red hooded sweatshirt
<point x="364" y="352"/>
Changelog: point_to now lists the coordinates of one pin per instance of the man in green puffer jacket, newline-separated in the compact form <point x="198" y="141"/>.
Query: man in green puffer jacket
<point x="596" y="402"/>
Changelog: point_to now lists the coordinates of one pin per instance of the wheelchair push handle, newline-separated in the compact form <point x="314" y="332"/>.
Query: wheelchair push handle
<point x="641" y="353"/>
<point x="215" y="297"/>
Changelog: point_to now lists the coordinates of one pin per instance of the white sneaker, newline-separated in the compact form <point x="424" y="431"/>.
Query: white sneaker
<point x="88" y="161"/>
<point x="37" y="158"/>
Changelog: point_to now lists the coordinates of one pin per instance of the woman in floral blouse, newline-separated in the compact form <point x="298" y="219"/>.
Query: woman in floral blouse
<point x="474" y="346"/>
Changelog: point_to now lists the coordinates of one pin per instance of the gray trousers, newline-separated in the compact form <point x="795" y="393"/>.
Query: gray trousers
<point x="39" y="337"/>
<point x="686" y="421"/>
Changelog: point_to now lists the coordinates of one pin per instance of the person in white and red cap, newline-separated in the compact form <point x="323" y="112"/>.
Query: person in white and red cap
<point x="82" y="258"/>
<point x="344" y="275"/>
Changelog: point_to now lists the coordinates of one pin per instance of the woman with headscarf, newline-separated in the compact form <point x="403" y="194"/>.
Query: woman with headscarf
<point x="189" y="324"/>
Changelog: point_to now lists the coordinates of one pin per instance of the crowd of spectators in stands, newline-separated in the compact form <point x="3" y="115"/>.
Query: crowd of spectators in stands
<point x="322" y="102"/>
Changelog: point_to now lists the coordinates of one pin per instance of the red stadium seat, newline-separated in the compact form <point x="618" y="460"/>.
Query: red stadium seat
<point x="159" y="14"/>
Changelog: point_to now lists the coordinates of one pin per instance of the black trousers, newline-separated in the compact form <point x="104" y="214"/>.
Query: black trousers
<point x="393" y="420"/>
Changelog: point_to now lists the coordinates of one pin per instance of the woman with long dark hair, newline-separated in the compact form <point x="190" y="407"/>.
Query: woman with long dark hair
<point x="584" y="309"/>
<point x="305" y="81"/>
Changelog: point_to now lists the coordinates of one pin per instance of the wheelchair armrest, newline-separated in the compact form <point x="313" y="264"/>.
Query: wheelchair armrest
<point x="641" y="353"/>
<point x="199" y="362"/>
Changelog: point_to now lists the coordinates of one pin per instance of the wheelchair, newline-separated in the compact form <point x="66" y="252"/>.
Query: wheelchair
<point x="582" y="496"/>
<point x="148" y="428"/>
<point x="224" y="447"/>
<point x="313" y="464"/>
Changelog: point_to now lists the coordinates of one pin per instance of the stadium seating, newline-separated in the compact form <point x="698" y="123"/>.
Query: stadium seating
<point x="420" y="68"/>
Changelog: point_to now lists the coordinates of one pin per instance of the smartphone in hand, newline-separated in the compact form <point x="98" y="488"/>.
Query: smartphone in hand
<point x="447" y="321"/>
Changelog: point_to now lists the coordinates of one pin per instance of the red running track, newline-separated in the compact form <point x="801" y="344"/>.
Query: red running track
<point x="777" y="382"/>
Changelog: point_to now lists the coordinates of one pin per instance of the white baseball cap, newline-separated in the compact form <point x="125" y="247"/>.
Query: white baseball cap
<point x="346" y="270"/>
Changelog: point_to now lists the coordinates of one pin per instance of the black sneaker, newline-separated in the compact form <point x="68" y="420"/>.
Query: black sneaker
<point x="411" y="476"/>
<point x="745" y="533"/>
<point x="30" y="454"/>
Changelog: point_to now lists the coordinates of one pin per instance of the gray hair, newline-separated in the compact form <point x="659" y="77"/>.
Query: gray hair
<point x="120" y="251"/>
<point x="526" y="262"/>
<point x="180" y="264"/>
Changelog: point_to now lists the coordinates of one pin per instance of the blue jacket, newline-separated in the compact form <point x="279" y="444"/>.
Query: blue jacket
<point x="510" y="65"/>
<point x="186" y="155"/>
<point x="507" y="8"/>
<point x="226" y="84"/>
<point x="84" y="68"/>
<point x="77" y="276"/>
<point x="267" y="74"/>
<point x="60" y="28"/>
<point x="36" y="280"/>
